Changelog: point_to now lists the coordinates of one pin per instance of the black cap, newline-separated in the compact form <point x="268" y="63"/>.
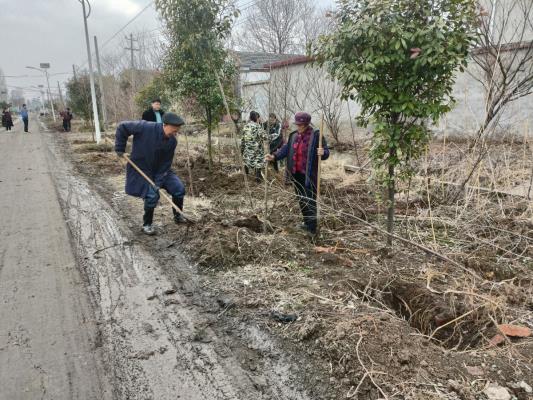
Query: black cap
<point x="156" y="100"/>
<point x="173" y="119"/>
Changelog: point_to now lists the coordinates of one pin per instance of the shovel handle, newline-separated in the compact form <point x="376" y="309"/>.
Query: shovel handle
<point x="151" y="182"/>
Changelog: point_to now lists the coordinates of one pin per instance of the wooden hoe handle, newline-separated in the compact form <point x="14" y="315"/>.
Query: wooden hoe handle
<point x="151" y="182"/>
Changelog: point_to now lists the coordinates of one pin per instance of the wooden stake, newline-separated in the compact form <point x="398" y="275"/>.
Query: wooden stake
<point x="319" y="174"/>
<point x="151" y="182"/>
<point x="189" y="163"/>
<point x="218" y="144"/>
<point x="265" y="223"/>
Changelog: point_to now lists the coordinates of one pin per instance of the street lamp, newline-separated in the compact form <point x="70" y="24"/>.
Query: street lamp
<point x="44" y="70"/>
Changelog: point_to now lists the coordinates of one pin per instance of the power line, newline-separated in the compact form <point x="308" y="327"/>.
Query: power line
<point x="122" y="28"/>
<point x="245" y="8"/>
<point x="128" y="23"/>
<point x="33" y="76"/>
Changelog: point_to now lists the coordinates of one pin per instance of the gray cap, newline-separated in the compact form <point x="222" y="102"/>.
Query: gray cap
<point x="172" y="119"/>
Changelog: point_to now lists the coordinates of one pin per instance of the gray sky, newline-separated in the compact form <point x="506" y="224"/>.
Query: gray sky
<point x="52" y="31"/>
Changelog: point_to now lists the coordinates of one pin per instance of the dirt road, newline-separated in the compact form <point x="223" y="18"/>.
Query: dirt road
<point x="47" y="329"/>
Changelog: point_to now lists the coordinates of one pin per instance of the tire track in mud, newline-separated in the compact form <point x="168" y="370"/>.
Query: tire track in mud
<point x="163" y="348"/>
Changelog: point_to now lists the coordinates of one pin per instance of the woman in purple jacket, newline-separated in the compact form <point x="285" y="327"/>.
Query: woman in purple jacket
<point x="302" y="152"/>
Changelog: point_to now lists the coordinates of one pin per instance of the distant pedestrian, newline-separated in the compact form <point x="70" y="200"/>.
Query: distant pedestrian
<point x="67" y="118"/>
<point x="154" y="113"/>
<point x="7" y="119"/>
<point x="252" y="145"/>
<point x="153" y="151"/>
<point x="25" y="117"/>
<point x="302" y="152"/>
<point x="275" y="135"/>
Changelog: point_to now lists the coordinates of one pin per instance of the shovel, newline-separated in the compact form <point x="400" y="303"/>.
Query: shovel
<point x="165" y="196"/>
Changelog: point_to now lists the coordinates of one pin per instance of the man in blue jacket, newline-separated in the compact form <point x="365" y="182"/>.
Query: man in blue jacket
<point x="24" y="116"/>
<point x="153" y="150"/>
<point x="302" y="152"/>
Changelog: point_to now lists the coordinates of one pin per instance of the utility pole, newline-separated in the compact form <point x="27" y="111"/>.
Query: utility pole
<point x="100" y="83"/>
<point x="132" y="49"/>
<point x="74" y="72"/>
<point x="91" y="75"/>
<point x="50" y="95"/>
<point x="42" y="98"/>
<point x="60" y="94"/>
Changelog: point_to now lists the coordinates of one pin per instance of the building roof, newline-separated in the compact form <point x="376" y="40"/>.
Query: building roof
<point x="259" y="61"/>
<point x="513" y="46"/>
<point x="294" y="60"/>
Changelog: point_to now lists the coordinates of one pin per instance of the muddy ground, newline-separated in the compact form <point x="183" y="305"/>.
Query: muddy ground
<point x="354" y="319"/>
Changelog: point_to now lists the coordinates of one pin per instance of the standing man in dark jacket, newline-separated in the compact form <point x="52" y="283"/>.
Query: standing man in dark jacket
<point x="67" y="118"/>
<point x="153" y="150"/>
<point x="7" y="119"/>
<point x="25" y="117"/>
<point x="154" y="113"/>
<point x="302" y="152"/>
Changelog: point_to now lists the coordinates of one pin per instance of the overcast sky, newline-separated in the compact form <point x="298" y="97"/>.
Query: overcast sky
<point x="52" y="31"/>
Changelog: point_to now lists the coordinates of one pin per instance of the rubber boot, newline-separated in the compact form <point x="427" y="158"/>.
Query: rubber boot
<point x="148" y="217"/>
<point x="178" y="218"/>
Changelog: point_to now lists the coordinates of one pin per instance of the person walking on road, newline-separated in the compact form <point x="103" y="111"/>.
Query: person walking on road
<point x="67" y="118"/>
<point x="154" y="113"/>
<point x="25" y="117"/>
<point x="302" y="151"/>
<point x="7" y="119"/>
<point x="153" y="150"/>
<point x="253" y="153"/>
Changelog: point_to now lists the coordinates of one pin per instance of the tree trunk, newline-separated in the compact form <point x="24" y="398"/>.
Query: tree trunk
<point x="209" y="139"/>
<point x="390" y="210"/>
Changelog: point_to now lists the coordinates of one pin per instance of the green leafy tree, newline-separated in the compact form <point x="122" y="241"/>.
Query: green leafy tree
<point x="155" y="89"/>
<point x="196" y="57"/>
<point x="398" y="59"/>
<point x="79" y="98"/>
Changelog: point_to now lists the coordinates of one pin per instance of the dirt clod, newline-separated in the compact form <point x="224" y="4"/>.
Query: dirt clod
<point x="283" y="318"/>
<point x="226" y="303"/>
<point x="496" y="392"/>
<point x="170" y="291"/>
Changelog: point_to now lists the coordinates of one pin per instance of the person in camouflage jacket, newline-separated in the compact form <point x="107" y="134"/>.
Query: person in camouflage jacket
<point x="275" y="133"/>
<point x="252" y="145"/>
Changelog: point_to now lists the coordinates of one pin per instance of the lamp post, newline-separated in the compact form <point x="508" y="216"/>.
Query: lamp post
<point x="44" y="70"/>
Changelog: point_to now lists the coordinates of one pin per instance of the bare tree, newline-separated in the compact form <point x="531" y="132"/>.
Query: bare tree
<point x="327" y="98"/>
<point x="504" y="55"/>
<point x="152" y="48"/>
<point x="281" y="82"/>
<point x="121" y="83"/>
<point x="306" y="88"/>
<point x="504" y="60"/>
<point x="276" y="26"/>
<point x="317" y="23"/>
